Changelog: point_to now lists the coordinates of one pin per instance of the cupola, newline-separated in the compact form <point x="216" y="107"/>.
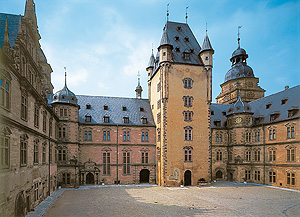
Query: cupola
<point x="65" y="95"/>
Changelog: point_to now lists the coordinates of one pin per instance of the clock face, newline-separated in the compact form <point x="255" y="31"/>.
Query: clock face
<point x="238" y="120"/>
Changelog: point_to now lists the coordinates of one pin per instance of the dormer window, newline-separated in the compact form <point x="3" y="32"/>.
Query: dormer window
<point x="105" y="107"/>
<point x="106" y="119"/>
<point x="88" y="118"/>
<point x="284" y="101"/>
<point x="217" y="123"/>
<point x="230" y="110"/>
<point x="274" y="116"/>
<point x="177" y="49"/>
<point x="144" y="120"/>
<point x="178" y="28"/>
<point x="63" y="97"/>
<point x="88" y="106"/>
<point x="55" y="97"/>
<point x="292" y="112"/>
<point x="186" y="56"/>
<point x="212" y="112"/>
<point x="126" y="120"/>
<point x="124" y="108"/>
<point x="268" y="106"/>
<point x="224" y="113"/>
<point x="141" y="109"/>
<point x="186" y="39"/>
<point x="192" y="50"/>
<point x="176" y="38"/>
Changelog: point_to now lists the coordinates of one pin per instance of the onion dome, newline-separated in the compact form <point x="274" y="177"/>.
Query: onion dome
<point x="239" y="107"/>
<point x="65" y="95"/>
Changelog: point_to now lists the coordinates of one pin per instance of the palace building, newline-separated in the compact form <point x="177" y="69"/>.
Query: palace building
<point x="175" y="137"/>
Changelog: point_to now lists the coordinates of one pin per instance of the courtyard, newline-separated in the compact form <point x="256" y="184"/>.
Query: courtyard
<point x="218" y="199"/>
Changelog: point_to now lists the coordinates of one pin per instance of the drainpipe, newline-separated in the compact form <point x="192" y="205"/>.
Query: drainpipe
<point x="264" y="146"/>
<point x="117" y="154"/>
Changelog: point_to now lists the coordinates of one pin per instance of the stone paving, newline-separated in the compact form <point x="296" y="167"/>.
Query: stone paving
<point x="218" y="199"/>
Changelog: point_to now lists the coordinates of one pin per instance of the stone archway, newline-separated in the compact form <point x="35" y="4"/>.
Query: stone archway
<point x="20" y="205"/>
<point x="187" y="178"/>
<point x="219" y="174"/>
<point x="144" y="176"/>
<point x="90" y="179"/>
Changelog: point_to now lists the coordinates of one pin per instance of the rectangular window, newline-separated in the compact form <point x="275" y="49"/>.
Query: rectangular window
<point x="85" y="135"/>
<point x="36" y="116"/>
<point x="274" y="134"/>
<point x="248" y="156"/>
<point x="36" y="153"/>
<point x="23" y="153"/>
<point x="36" y="191"/>
<point x="104" y="135"/>
<point x="219" y="156"/>
<point x="143" y="137"/>
<point x="24" y="108"/>
<point x="126" y="163"/>
<point x="4" y="152"/>
<point x="126" y="120"/>
<point x="144" y="157"/>
<point x="106" y="163"/>
<point x="257" y="175"/>
<point x="158" y="104"/>
<point x="146" y="136"/>
<point x="44" y="154"/>
<point x="247" y="175"/>
<point x="290" y="154"/>
<point x="257" y="155"/>
<point x="158" y="86"/>
<point x="90" y="135"/>
<point x="50" y="154"/>
<point x="44" y="121"/>
<point x="50" y="127"/>
<point x="272" y="155"/>
<point x="61" y="112"/>
<point x="4" y="93"/>
<point x="106" y="119"/>
<point x="188" y="134"/>
<point x="65" y="112"/>
<point x="188" y="155"/>
<point x="158" y="117"/>
<point x="272" y="177"/>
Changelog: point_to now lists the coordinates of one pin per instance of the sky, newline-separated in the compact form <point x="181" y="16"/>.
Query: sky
<point x="104" y="44"/>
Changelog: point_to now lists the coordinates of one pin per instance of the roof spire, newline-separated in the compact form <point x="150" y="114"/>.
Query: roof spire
<point x="6" y="35"/>
<point x="239" y="36"/>
<point x="65" y="76"/>
<point x="186" y="14"/>
<point x="138" y="89"/>
<point x="168" y="12"/>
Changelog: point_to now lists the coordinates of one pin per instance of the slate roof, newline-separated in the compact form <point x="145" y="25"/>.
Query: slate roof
<point x="13" y="27"/>
<point x="186" y="42"/>
<point x="258" y="107"/>
<point x="115" y="111"/>
<point x="206" y="44"/>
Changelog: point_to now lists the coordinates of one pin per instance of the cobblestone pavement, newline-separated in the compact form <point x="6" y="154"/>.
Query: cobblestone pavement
<point x="219" y="199"/>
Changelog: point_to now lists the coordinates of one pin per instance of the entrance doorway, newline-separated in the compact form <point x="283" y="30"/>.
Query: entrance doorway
<point x="230" y="177"/>
<point x="20" y="205"/>
<point x="90" y="179"/>
<point x="219" y="174"/>
<point x="144" y="176"/>
<point x="187" y="178"/>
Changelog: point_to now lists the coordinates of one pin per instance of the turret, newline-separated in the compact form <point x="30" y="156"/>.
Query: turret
<point x="6" y="36"/>
<point x="165" y="48"/>
<point x="138" y="89"/>
<point x="206" y="52"/>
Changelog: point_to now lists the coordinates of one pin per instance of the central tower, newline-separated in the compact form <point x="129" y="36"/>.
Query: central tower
<point x="179" y="83"/>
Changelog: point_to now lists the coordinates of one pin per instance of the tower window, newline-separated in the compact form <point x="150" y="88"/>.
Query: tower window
<point x="187" y="83"/>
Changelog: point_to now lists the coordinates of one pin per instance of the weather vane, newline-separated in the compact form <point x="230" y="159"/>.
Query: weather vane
<point x="168" y="12"/>
<point x="239" y="35"/>
<point x="186" y="14"/>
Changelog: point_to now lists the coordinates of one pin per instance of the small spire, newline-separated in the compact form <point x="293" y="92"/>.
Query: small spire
<point x="168" y="12"/>
<point x="139" y="78"/>
<point x="6" y="35"/>
<point x="20" y="25"/>
<point x="186" y="14"/>
<point x="206" y="29"/>
<point x="65" y="76"/>
<point x="239" y="36"/>
<point x="138" y="89"/>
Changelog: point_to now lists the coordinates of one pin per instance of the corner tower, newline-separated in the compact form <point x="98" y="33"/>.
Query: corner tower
<point x="240" y="78"/>
<point x="179" y="93"/>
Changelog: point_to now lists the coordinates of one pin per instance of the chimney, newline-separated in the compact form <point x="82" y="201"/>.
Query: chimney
<point x="286" y="87"/>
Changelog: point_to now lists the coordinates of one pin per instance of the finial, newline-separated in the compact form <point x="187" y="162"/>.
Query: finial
<point x="65" y="76"/>
<point x="239" y="35"/>
<point x="138" y="75"/>
<point x="168" y="12"/>
<point x="152" y="48"/>
<point x="186" y="14"/>
<point x="206" y="29"/>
